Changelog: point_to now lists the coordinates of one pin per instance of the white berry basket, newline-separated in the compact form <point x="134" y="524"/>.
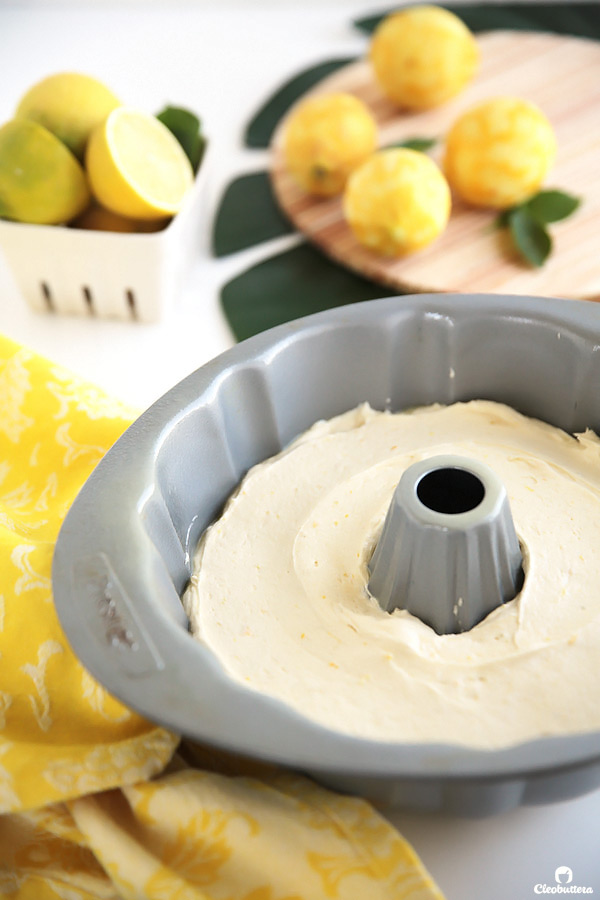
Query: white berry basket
<point x="130" y="276"/>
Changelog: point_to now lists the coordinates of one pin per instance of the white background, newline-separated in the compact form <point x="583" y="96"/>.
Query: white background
<point x="222" y="59"/>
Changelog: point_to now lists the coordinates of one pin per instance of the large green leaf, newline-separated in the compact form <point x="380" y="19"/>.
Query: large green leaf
<point x="262" y="125"/>
<point x="292" y="284"/>
<point x="577" y="19"/>
<point x="248" y="215"/>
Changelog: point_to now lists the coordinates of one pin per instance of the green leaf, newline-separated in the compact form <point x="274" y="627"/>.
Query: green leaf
<point x="552" y="206"/>
<point x="502" y="220"/>
<point x="416" y="143"/>
<point x="187" y="129"/>
<point x="577" y="19"/>
<point x="248" y="214"/>
<point x="262" y="125"/>
<point x="292" y="284"/>
<point x="529" y="236"/>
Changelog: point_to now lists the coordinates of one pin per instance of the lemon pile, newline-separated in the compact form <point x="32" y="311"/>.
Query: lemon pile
<point x="398" y="201"/>
<point x="74" y="154"/>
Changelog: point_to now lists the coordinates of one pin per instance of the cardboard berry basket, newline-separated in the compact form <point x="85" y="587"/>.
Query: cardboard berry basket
<point x="132" y="276"/>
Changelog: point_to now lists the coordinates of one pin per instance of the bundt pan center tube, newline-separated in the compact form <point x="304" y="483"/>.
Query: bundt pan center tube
<point x="448" y="552"/>
<point x="123" y="557"/>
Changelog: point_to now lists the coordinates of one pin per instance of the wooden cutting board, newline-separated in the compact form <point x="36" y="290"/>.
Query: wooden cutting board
<point x="560" y="74"/>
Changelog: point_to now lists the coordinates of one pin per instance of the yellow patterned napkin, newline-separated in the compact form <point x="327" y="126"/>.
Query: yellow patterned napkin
<point x="96" y="802"/>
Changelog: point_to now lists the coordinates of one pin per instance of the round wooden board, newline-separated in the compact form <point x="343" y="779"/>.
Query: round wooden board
<point x="560" y="74"/>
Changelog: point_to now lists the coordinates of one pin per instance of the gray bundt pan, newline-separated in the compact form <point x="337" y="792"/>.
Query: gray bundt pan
<point x="123" y="555"/>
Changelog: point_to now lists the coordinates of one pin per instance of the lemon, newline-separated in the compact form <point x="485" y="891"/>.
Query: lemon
<point x="397" y="202"/>
<point x="423" y="56"/>
<point x="69" y="105"/>
<point x="136" y="167"/>
<point x="498" y="153"/>
<point x="41" y="182"/>
<point x="98" y="218"/>
<point x="325" y="139"/>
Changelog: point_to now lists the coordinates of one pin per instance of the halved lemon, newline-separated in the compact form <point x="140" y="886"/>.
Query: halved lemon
<point x="41" y="182"/>
<point x="136" y="167"/>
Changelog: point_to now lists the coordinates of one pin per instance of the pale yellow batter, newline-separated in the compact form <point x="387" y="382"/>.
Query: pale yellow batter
<point x="279" y="586"/>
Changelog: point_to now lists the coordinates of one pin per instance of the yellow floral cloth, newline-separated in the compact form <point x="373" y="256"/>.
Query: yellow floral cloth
<point x="96" y="802"/>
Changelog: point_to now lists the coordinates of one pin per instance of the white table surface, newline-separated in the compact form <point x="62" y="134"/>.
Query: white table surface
<point x="222" y="58"/>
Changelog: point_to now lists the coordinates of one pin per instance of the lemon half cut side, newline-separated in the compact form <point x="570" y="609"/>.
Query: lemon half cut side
<point x="136" y="167"/>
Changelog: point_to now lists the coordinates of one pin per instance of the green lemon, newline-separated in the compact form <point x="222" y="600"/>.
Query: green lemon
<point x="41" y="182"/>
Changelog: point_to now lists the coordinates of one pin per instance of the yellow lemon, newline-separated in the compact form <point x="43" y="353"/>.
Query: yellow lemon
<point x="69" y="105"/>
<point x="41" y="182"/>
<point x="423" y="56"/>
<point x="397" y="202"/>
<point x="498" y="153"/>
<point x="325" y="139"/>
<point x="98" y="218"/>
<point x="136" y="167"/>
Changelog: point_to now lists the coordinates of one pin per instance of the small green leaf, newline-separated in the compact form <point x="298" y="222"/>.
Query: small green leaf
<point x="529" y="236"/>
<point x="552" y="206"/>
<point x="502" y="220"/>
<point x="187" y="129"/>
<point x="416" y="143"/>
